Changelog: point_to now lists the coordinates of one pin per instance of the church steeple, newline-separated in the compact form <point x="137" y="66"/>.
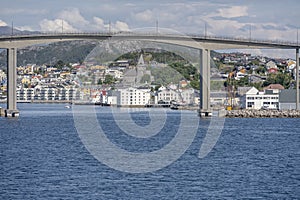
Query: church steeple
<point x="141" y="61"/>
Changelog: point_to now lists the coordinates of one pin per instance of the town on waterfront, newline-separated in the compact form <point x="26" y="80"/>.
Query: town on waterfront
<point x="144" y="79"/>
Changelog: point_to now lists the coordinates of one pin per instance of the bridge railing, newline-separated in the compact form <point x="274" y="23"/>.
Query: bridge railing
<point x="154" y="34"/>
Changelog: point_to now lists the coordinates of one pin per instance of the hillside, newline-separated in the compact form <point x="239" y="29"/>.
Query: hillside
<point x="68" y="52"/>
<point x="7" y="30"/>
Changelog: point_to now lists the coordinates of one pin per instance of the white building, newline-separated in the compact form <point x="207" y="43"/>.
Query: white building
<point x="133" y="97"/>
<point x="112" y="100"/>
<point x="115" y="73"/>
<point x="271" y="64"/>
<point x="167" y="96"/>
<point x="25" y="94"/>
<point x="267" y="99"/>
<point x="48" y="94"/>
<point x="187" y="96"/>
<point x="182" y="96"/>
<point x="2" y="76"/>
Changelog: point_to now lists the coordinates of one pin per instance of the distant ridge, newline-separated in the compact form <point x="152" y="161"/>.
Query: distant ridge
<point x="7" y="30"/>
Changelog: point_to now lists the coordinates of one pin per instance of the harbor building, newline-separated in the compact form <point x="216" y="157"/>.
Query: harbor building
<point x="267" y="99"/>
<point x="133" y="96"/>
<point x="47" y="94"/>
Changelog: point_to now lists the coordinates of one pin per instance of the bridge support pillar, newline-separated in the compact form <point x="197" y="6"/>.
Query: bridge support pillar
<point x="11" y="110"/>
<point x="205" y="110"/>
<point x="297" y="79"/>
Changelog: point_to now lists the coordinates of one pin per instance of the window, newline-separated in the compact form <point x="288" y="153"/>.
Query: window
<point x="250" y="104"/>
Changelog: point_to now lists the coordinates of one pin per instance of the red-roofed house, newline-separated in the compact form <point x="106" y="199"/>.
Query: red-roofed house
<point x="274" y="86"/>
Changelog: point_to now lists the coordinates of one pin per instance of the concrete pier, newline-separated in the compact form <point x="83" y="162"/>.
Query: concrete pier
<point x="12" y="110"/>
<point x="205" y="110"/>
<point x="2" y="113"/>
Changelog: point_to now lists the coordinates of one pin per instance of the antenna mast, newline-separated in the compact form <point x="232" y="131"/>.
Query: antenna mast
<point x="250" y="32"/>
<point x="205" y="29"/>
<point x="12" y="28"/>
<point x="109" y="26"/>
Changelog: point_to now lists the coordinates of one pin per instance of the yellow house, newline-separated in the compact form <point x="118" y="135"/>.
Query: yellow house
<point x="26" y="81"/>
<point x="64" y="74"/>
<point x="98" y="67"/>
<point x="3" y="88"/>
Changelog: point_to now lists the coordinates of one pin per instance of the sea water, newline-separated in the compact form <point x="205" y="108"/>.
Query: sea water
<point x="43" y="157"/>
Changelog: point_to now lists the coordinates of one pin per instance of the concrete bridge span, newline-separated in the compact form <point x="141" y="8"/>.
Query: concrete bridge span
<point x="204" y="43"/>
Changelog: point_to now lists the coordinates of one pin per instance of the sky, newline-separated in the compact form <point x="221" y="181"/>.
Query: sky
<point x="262" y="19"/>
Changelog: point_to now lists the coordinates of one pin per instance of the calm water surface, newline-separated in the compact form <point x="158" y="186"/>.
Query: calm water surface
<point x="42" y="157"/>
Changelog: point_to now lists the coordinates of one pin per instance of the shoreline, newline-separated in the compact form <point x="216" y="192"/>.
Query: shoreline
<point x="263" y="114"/>
<point x="245" y="113"/>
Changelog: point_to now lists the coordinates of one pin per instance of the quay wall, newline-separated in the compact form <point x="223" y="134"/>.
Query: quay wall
<point x="263" y="114"/>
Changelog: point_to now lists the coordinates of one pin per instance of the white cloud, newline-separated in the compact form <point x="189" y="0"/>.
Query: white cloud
<point x="74" y="20"/>
<point x="227" y="18"/>
<point x="234" y="11"/>
<point x="25" y="28"/>
<point x="145" y="16"/>
<point x="121" y="26"/>
<point x="99" y="23"/>
<point x="2" y="23"/>
<point x="74" y="17"/>
<point x="56" y="25"/>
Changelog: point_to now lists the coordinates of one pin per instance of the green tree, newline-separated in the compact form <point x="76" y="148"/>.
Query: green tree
<point x="109" y="79"/>
<point x="261" y="70"/>
<point x="59" y="64"/>
<point x="281" y="78"/>
<point x="195" y="84"/>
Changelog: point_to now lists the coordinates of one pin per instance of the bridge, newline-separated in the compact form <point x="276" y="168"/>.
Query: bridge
<point x="202" y="42"/>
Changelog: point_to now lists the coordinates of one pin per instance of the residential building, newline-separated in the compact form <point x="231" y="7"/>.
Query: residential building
<point x="133" y="96"/>
<point x="187" y="95"/>
<point x="48" y="94"/>
<point x="115" y="73"/>
<point x="181" y="96"/>
<point x="2" y="76"/>
<point x="268" y="99"/>
<point x="168" y="96"/>
<point x="274" y="86"/>
<point x="271" y="64"/>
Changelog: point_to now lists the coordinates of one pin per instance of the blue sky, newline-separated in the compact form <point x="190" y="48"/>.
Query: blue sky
<point x="275" y="20"/>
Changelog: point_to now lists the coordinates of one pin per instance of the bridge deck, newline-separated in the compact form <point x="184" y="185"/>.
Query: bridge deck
<point x="211" y="41"/>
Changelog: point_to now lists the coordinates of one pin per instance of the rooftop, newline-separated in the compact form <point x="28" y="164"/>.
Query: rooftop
<point x="274" y="86"/>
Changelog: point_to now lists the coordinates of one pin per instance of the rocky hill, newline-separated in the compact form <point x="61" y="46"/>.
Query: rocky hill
<point x="49" y="54"/>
